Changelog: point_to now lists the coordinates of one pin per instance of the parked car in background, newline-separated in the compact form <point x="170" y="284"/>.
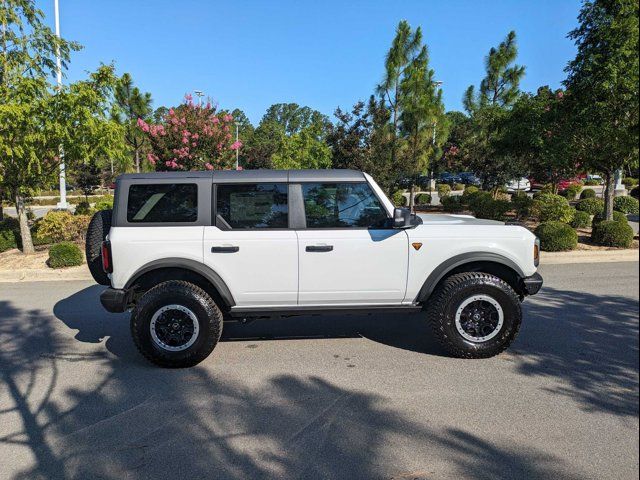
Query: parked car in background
<point x="449" y="178"/>
<point x="469" y="178"/>
<point x="519" y="185"/>
<point x="595" y="177"/>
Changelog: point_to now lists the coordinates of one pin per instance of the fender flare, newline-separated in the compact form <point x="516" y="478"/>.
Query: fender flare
<point x="454" y="262"/>
<point x="186" y="264"/>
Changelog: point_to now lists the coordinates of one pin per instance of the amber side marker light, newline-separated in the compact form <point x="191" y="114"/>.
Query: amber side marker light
<point x="536" y="253"/>
<point x="416" y="245"/>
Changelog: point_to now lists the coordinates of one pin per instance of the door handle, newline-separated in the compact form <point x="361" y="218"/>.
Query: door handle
<point x="319" y="248"/>
<point x="231" y="249"/>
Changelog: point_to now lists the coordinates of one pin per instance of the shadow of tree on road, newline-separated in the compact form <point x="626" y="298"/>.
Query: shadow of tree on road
<point x="132" y="420"/>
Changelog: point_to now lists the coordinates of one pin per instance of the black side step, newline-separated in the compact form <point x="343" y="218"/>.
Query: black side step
<point x="248" y="312"/>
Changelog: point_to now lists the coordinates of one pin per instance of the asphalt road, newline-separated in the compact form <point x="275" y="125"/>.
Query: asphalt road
<point x="324" y="397"/>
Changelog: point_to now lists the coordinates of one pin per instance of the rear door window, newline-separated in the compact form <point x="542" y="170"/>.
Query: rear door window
<point x="249" y="206"/>
<point x="163" y="203"/>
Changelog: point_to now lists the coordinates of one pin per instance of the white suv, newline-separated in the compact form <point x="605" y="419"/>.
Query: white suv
<point x="184" y="250"/>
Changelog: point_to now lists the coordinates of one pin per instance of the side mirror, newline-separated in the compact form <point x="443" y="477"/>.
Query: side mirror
<point x="402" y="218"/>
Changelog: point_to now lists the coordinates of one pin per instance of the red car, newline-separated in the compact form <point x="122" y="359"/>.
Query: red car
<point x="563" y="183"/>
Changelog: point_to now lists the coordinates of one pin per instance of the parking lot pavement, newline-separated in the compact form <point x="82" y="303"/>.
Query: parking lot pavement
<point x="324" y="397"/>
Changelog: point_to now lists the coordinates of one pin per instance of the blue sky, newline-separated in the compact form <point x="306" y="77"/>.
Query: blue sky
<point x="324" y="54"/>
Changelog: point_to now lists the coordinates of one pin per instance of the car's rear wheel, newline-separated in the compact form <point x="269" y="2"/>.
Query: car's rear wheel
<point x="474" y="315"/>
<point x="176" y="324"/>
<point x="96" y="233"/>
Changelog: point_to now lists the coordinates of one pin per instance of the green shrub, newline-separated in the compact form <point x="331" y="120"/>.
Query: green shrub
<point x="398" y="198"/>
<point x="548" y="207"/>
<point x="592" y="206"/>
<point x="546" y="188"/>
<point x="587" y="193"/>
<point x="423" y="199"/>
<point x="452" y="203"/>
<point x="483" y="205"/>
<point x="104" y="205"/>
<point x="468" y="193"/>
<point x="581" y="219"/>
<point x="593" y="182"/>
<point x="634" y="192"/>
<point x="572" y="191"/>
<point x="556" y="236"/>
<point x="9" y="234"/>
<point x="443" y="190"/>
<point x="617" y="217"/>
<point x="60" y="225"/>
<point x="522" y="204"/>
<point x="630" y="182"/>
<point x="83" y="208"/>
<point x="628" y="205"/>
<point x="612" y="234"/>
<point x="458" y="186"/>
<point x="65" y="254"/>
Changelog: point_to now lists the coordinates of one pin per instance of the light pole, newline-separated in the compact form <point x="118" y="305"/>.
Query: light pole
<point x="199" y="94"/>
<point x="62" y="204"/>
<point x="237" y="149"/>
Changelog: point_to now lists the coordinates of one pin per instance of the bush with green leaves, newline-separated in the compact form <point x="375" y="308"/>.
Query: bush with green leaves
<point x="628" y="205"/>
<point x="635" y="193"/>
<point x="60" y="225"/>
<point x="556" y="236"/>
<point x="572" y="191"/>
<point x="522" y="204"/>
<point x="617" y="217"/>
<point x="83" y="208"/>
<point x="587" y="193"/>
<point x="592" y="206"/>
<point x="452" y="203"/>
<point x="443" y="189"/>
<point x="610" y="233"/>
<point x="398" y="198"/>
<point x="9" y="234"/>
<point x="581" y="219"/>
<point x="468" y="193"/>
<point x="458" y="186"/>
<point x="65" y="254"/>
<point x="104" y="205"/>
<point x="423" y="199"/>
<point x="630" y="182"/>
<point x="548" y="207"/>
<point x="483" y="205"/>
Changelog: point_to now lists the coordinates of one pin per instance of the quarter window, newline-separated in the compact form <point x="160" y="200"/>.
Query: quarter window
<point x="163" y="203"/>
<point x="342" y="205"/>
<point x="262" y="205"/>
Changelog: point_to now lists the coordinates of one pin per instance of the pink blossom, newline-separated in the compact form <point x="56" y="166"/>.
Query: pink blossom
<point x="185" y="140"/>
<point x="235" y="145"/>
<point x="208" y="166"/>
<point x="560" y="94"/>
<point x="215" y="120"/>
<point x="172" y="112"/>
<point x="227" y="118"/>
<point x="143" y="125"/>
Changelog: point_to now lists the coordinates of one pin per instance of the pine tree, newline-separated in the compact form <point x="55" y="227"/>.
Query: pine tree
<point x="130" y="105"/>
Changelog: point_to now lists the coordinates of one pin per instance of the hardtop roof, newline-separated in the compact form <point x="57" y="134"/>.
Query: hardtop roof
<point x="237" y="176"/>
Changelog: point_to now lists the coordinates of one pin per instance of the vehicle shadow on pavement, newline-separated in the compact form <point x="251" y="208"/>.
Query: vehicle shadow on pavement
<point x="132" y="420"/>
<point x="588" y="343"/>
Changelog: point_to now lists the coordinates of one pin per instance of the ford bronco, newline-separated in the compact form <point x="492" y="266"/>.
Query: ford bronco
<point x="185" y="250"/>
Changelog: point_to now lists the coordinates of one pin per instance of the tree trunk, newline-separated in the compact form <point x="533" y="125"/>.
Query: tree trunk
<point x="137" y="161"/>
<point x="609" y="193"/>
<point x="25" y="233"/>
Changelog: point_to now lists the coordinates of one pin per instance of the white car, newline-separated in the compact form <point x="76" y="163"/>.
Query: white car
<point x="185" y="250"/>
<point x="522" y="184"/>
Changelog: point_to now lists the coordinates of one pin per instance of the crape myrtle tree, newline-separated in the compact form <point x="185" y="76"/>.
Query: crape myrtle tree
<point x="488" y="109"/>
<point x="602" y="87"/>
<point x="191" y="137"/>
<point x="130" y="105"/>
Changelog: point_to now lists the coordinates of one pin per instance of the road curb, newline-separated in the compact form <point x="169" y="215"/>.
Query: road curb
<point x="45" y="274"/>
<point x="588" y="256"/>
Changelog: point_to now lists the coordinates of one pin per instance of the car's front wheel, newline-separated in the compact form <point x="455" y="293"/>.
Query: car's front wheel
<point x="474" y="315"/>
<point x="176" y="324"/>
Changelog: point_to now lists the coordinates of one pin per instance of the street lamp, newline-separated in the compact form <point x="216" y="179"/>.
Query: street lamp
<point x="199" y="94"/>
<point x="237" y="149"/>
<point x="62" y="204"/>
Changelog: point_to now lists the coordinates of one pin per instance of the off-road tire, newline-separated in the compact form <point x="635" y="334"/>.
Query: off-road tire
<point x="96" y="233"/>
<point x="188" y="295"/>
<point x="449" y="295"/>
